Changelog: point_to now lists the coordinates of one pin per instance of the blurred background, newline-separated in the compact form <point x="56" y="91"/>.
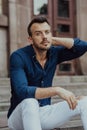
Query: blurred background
<point x="68" y="18"/>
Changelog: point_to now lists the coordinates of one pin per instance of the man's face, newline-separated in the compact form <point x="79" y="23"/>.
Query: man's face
<point x="41" y="36"/>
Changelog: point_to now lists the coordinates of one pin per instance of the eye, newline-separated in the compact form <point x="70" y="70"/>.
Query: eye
<point x="47" y="31"/>
<point x="38" y="33"/>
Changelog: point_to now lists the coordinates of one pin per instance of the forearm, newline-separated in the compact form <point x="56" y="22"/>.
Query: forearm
<point x="41" y="93"/>
<point x="45" y="92"/>
<point x="67" y="42"/>
<point x="52" y="91"/>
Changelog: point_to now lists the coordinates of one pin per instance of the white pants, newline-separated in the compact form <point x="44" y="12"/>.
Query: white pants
<point x="29" y="116"/>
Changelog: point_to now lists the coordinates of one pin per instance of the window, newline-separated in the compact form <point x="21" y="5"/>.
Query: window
<point x="63" y="8"/>
<point x="65" y="67"/>
<point x="62" y="28"/>
<point x="40" y="7"/>
<point x="0" y="6"/>
<point x="64" y="18"/>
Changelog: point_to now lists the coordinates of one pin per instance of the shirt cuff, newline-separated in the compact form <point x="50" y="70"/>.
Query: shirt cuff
<point x="76" y="40"/>
<point x="31" y="91"/>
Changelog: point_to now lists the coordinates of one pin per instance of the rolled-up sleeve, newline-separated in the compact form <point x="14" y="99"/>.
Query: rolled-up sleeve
<point x="18" y="78"/>
<point x="79" y="46"/>
<point x="78" y="49"/>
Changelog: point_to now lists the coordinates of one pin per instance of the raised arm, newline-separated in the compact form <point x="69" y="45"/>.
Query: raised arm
<point x="67" y="42"/>
<point x="69" y="48"/>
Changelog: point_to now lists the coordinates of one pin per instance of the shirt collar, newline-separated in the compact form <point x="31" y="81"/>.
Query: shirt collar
<point x="33" y="54"/>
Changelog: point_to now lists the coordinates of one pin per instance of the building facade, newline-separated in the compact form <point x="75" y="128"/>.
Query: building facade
<point x="68" y="18"/>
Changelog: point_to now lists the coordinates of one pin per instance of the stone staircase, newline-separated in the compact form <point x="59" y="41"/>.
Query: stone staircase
<point x="76" y="84"/>
<point x="4" y="102"/>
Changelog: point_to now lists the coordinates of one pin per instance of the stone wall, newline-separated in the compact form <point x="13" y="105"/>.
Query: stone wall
<point x="81" y="8"/>
<point x="3" y="41"/>
<point x="19" y="17"/>
<point x="3" y="52"/>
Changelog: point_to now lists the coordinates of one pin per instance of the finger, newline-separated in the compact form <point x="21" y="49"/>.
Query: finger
<point x="70" y="103"/>
<point x="73" y="102"/>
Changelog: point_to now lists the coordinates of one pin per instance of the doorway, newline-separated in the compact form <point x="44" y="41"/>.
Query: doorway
<point x="62" y="17"/>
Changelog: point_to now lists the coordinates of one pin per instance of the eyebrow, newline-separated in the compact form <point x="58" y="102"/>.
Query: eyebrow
<point x="37" y="31"/>
<point x="41" y="31"/>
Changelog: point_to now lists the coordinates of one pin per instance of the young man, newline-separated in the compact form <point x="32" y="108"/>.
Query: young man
<point x="31" y="71"/>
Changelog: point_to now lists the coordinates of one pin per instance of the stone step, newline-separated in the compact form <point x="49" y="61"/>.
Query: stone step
<point x="6" y="86"/>
<point x="64" y="79"/>
<point x="55" y="83"/>
<point x="58" y="80"/>
<point x="4" y="106"/>
<point x="4" y="128"/>
<point x="4" y="95"/>
<point x="4" y="99"/>
<point x="3" y="119"/>
<point x="4" y="81"/>
<point x="70" y="79"/>
<point x="4" y="91"/>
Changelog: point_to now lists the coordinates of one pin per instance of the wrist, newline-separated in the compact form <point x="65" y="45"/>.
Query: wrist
<point x="57" y="90"/>
<point x="55" y="41"/>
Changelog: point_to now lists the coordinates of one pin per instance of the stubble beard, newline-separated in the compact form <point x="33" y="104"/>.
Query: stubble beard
<point x="42" y="47"/>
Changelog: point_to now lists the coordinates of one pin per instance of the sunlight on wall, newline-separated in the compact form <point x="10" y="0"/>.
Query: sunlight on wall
<point x="0" y="6"/>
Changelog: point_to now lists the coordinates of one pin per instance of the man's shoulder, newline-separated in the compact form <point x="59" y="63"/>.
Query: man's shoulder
<point x="20" y="55"/>
<point x="22" y="51"/>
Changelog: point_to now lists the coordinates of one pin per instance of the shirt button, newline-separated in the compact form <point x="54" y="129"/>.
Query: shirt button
<point x="42" y="83"/>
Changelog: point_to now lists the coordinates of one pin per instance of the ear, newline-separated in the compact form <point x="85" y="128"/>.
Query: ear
<point x="30" y="40"/>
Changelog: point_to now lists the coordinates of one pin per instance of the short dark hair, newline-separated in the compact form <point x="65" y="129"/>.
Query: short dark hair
<point x="37" y="19"/>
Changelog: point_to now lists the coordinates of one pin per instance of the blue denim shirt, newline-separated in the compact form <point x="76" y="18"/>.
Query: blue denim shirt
<point x="26" y="73"/>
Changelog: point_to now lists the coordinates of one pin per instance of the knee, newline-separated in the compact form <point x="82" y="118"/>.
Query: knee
<point x="30" y="104"/>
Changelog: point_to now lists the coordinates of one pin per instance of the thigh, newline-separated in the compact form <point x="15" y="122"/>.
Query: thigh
<point x="53" y="116"/>
<point x="15" y="120"/>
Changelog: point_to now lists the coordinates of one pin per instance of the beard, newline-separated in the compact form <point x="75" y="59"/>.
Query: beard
<point x="42" y="46"/>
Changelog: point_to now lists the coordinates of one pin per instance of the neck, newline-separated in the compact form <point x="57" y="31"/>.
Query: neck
<point x="40" y="54"/>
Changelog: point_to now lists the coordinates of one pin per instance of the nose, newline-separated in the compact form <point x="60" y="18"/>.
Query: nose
<point x="44" y="35"/>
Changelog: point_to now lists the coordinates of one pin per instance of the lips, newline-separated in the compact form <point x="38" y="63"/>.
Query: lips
<point x="45" y="41"/>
